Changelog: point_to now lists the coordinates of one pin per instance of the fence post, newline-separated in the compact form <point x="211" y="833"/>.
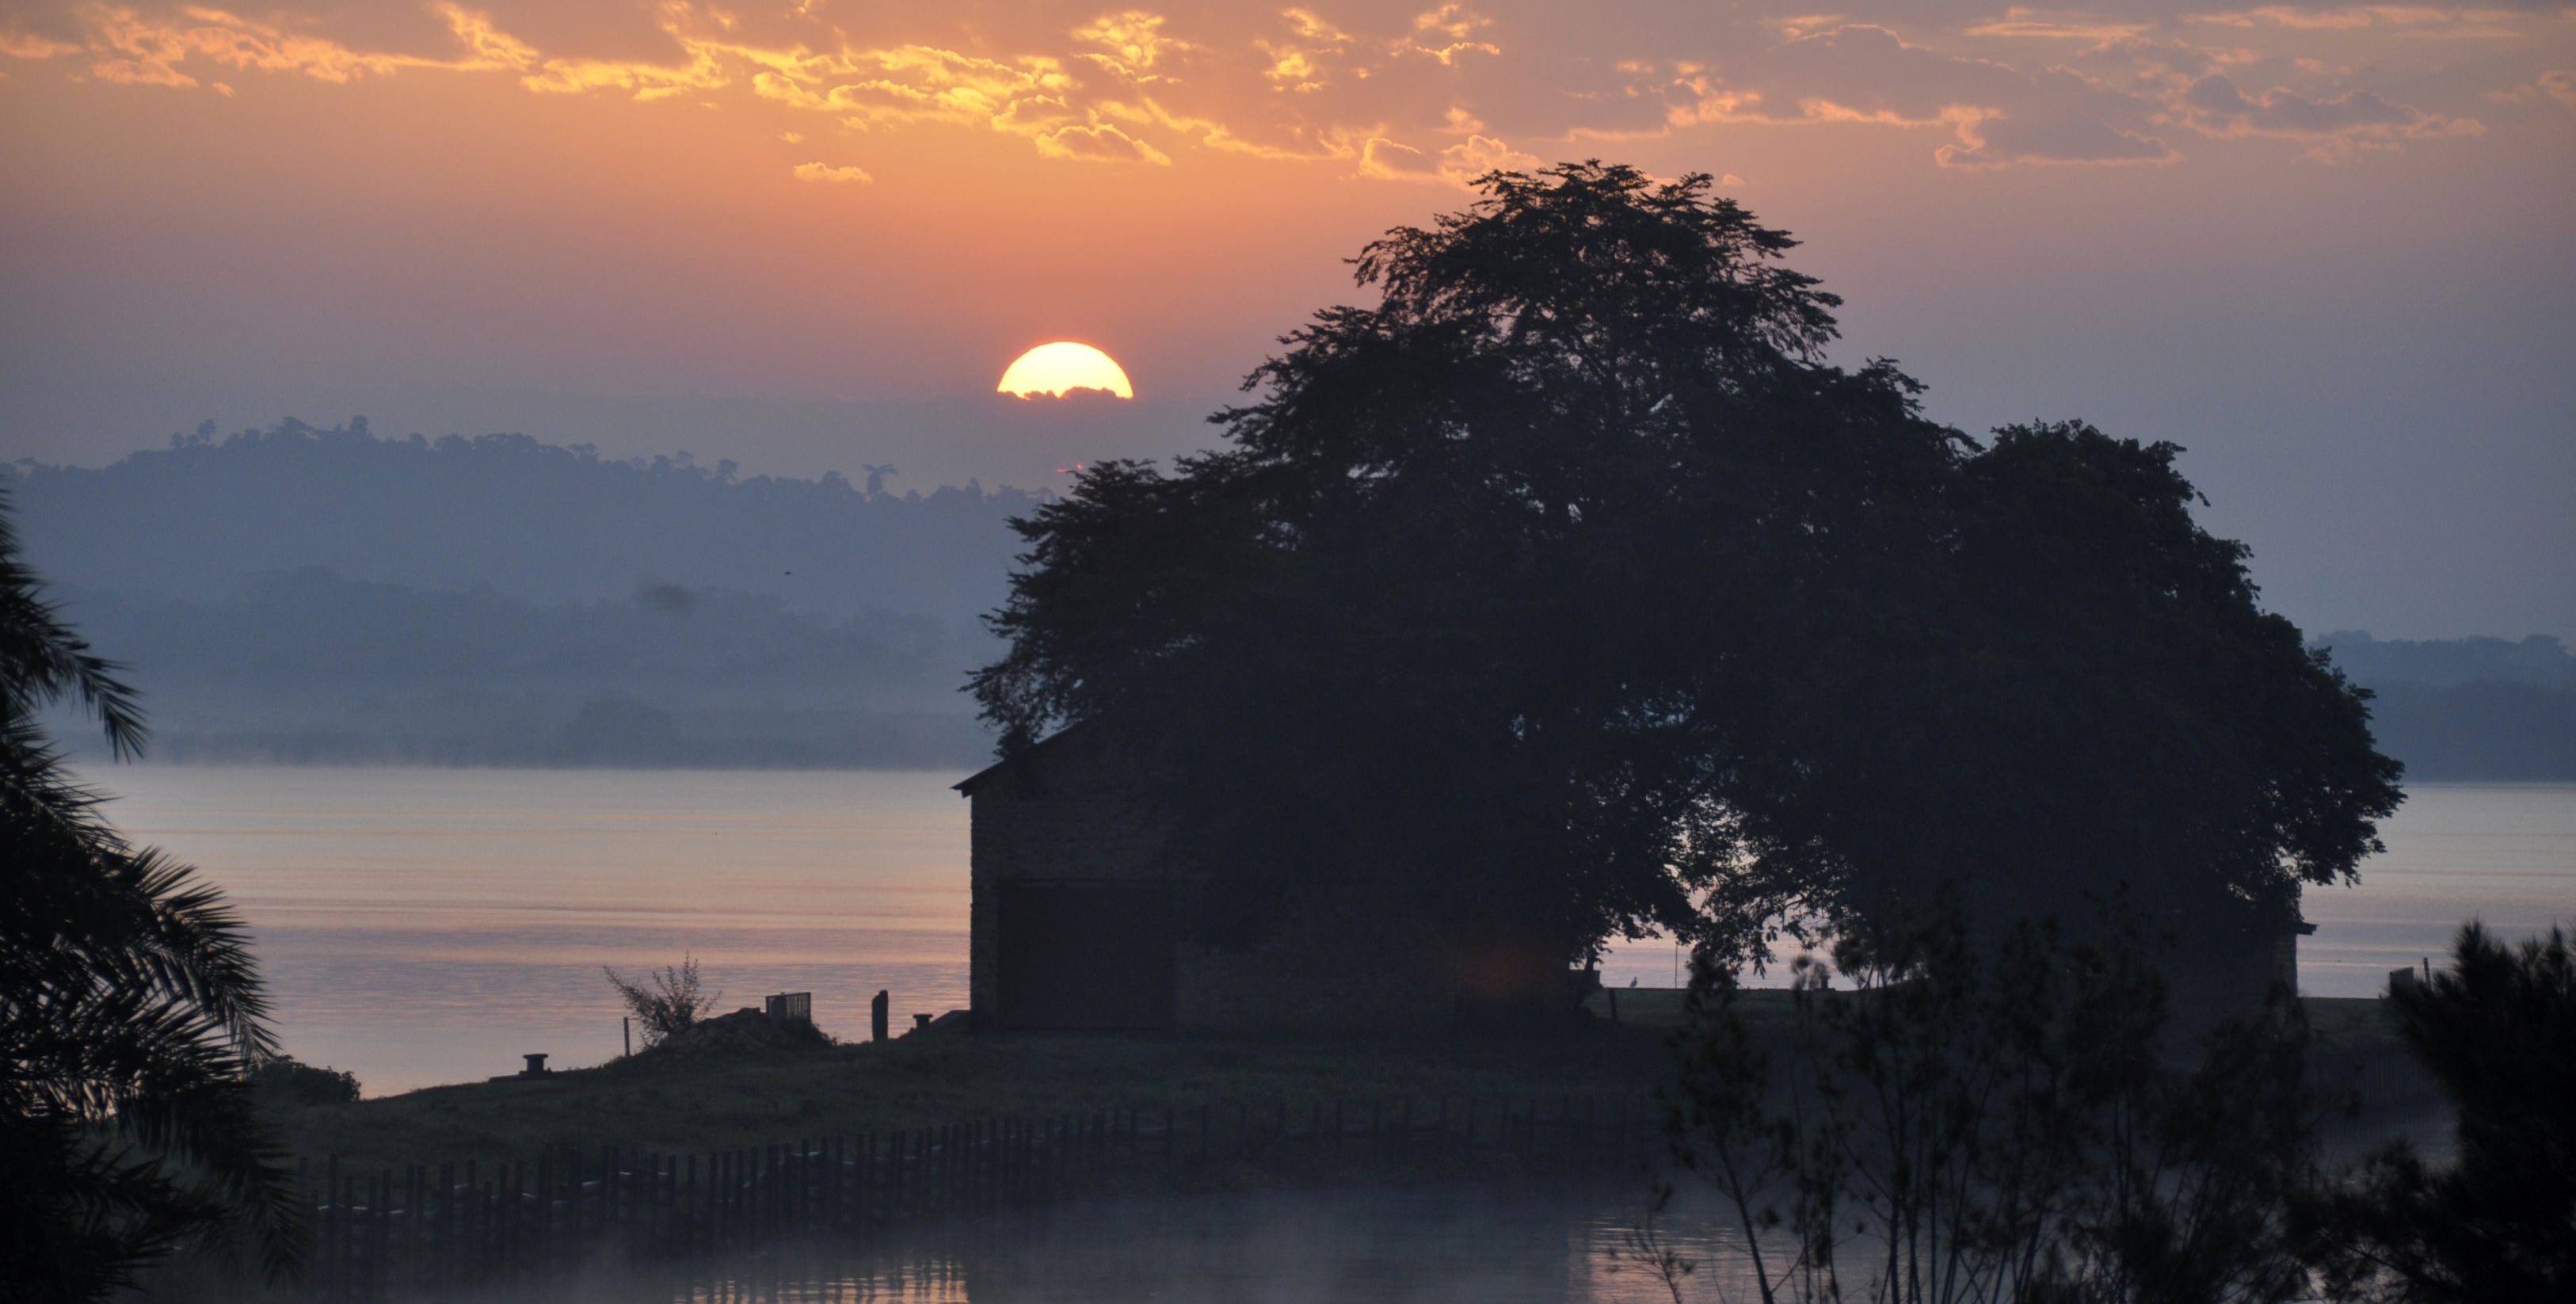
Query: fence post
<point x="867" y="1174"/>
<point x="380" y="1229"/>
<point x="332" y="1215"/>
<point x="469" y="1237"/>
<point x="416" y="1181"/>
<point x="446" y="1222"/>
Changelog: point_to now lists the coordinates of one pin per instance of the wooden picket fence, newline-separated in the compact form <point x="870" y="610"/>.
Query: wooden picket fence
<point x="426" y="1227"/>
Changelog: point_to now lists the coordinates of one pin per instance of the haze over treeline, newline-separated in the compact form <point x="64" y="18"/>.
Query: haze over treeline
<point x="2469" y="708"/>
<point x="322" y="595"/>
<point x="332" y="596"/>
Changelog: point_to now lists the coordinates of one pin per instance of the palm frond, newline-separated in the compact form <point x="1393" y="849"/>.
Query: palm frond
<point x="43" y="661"/>
<point x="131" y="1007"/>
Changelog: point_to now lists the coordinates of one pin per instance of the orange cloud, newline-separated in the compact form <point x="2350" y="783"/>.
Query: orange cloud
<point x="151" y="51"/>
<point x="2331" y="127"/>
<point x="2423" y="20"/>
<point x="2032" y="85"/>
<point x="1208" y="133"/>
<point x="1099" y="142"/>
<point x="1452" y="20"/>
<point x="1310" y="27"/>
<point x="1456" y="23"/>
<point x="645" y="80"/>
<point x="2557" y="85"/>
<point x="22" y="45"/>
<point x="2019" y="23"/>
<point x="1994" y="115"/>
<point x="832" y="174"/>
<point x="1458" y="165"/>
<point x="488" y="43"/>
<point x="1131" y="44"/>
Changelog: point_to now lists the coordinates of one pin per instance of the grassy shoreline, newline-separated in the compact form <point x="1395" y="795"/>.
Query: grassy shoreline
<point x="943" y="1078"/>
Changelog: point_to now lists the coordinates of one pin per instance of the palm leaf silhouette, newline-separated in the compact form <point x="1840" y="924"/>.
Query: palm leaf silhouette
<point x="131" y="1008"/>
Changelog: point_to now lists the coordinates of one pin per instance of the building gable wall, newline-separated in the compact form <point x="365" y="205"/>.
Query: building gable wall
<point x="1059" y="814"/>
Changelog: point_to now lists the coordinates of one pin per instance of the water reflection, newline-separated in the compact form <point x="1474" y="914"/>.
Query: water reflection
<point x="1400" y="1245"/>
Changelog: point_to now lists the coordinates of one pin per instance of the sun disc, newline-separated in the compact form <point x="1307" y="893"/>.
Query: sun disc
<point x="1062" y="367"/>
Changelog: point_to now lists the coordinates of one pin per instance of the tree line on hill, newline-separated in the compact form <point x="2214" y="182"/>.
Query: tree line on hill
<point x="331" y="596"/>
<point x="309" y="667"/>
<point x="544" y="522"/>
<point x="2469" y="708"/>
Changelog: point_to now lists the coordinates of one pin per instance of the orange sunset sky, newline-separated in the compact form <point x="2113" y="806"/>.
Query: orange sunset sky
<point x="2327" y="248"/>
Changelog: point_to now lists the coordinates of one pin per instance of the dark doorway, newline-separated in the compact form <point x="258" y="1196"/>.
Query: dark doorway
<point x="1085" y="954"/>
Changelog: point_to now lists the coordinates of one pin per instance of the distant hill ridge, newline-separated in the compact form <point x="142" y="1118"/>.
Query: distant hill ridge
<point x="330" y="596"/>
<point x="2468" y="708"/>
<point x="523" y="517"/>
<point x="2540" y="659"/>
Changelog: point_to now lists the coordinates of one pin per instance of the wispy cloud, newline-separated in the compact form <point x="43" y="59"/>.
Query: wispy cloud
<point x="1131" y="44"/>
<point x="2556" y="86"/>
<point x="1099" y="142"/>
<point x="133" y="48"/>
<point x="833" y="174"/>
<point x="1405" y="93"/>
<point x="1456" y="165"/>
<point x="25" y="45"/>
<point x="1446" y="34"/>
<point x="2331" y="127"/>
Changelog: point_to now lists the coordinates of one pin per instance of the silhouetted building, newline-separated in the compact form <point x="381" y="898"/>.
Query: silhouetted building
<point x="2224" y="970"/>
<point x="1079" y="923"/>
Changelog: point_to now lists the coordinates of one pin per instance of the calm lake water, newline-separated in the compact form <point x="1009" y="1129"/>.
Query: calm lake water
<point x="428" y="925"/>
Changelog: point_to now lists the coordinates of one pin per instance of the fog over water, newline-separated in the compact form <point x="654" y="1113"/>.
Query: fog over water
<point x="1510" y="1243"/>
<point x="481" y="903"/>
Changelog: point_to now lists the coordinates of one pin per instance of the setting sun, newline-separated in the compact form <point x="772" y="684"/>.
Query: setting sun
<point x="1062" y="367"/>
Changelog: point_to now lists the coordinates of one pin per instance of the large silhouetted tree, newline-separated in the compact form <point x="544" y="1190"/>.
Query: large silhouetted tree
<point x="1569" y="591"/>
<point x="130" y="1008"/>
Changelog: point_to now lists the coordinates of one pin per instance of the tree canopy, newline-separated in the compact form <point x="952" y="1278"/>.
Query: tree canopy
<point x="1570" y="591"/>
<point x="2497" y="1030"/>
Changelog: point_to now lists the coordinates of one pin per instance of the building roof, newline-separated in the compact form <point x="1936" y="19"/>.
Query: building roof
<point x="967" y="786"/>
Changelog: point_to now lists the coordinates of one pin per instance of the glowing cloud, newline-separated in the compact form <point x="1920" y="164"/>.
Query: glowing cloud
<point x="1368" y="90"/>
<point x="20" y="45"/>
<point x="1458" y="165"/>
<point x="1129" y="44"/>
<point x="833" y="174"/>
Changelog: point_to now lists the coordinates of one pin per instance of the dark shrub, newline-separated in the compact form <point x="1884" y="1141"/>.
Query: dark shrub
<point x="284" y="1081"/>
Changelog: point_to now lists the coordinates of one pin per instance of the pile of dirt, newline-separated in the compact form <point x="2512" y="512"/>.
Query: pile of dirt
<point x="745" y="1032"/>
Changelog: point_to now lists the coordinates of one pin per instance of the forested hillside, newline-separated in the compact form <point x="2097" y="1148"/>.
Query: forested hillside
<point x="329" y="595"/>
<point x="2469" y="708"/>
<point x="508" y="512"/>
